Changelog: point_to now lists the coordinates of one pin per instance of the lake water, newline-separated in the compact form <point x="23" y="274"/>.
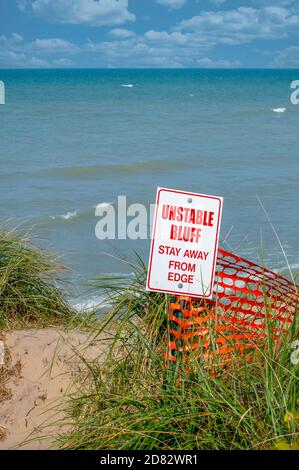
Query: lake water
<point x="71" y="139"/>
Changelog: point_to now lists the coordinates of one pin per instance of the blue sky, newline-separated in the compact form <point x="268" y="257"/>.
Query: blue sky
<point x="149" y="33"/>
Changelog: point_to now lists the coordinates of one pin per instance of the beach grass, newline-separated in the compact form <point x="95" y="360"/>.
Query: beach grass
<point x="30" y="285"/>
<point x="135" y="402"/>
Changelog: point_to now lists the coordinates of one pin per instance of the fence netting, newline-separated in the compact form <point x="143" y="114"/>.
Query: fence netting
<point x="250" y="304"/>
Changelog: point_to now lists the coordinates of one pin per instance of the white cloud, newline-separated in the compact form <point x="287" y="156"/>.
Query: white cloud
<point x="172" y="38"/>
<point x="88" y="12"/>
<point x="53" y="46"/>
<point x="288" y="58"/>
<point x="12" y="59"/>
<point x="14" y="38"/>
<point x="189" y="44"/>
<point x="217" y="2"/>
<point x="172" y="3"/>
<point x="17" y="37"/>
<point x="281" y="3"/>
<point x="37" y="62"/>
<point x="121" y="33"/>
<point x="22" y="4"/>
<point x="63" y="62"/>
<point x="243" y="24"/>
<point x="153" y="49"/>
<point x="15" y="52"/>
<point x="209" y="63"/>
<point x="9" y="58"/>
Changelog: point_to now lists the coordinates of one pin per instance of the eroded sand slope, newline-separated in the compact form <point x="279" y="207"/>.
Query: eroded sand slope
<point x="41" y="368"/>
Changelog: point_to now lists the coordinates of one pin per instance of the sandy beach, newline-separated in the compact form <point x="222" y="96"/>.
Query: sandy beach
<point x="41" y="369"/>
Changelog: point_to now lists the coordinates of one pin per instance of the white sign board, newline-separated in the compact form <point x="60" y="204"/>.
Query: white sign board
<point x="184" y="243"/>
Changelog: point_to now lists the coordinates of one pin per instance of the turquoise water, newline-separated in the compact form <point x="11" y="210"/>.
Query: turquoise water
<point x="71" y="139"/>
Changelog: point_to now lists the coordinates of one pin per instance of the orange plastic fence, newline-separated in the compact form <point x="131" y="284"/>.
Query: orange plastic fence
<point x="249" y="303"/>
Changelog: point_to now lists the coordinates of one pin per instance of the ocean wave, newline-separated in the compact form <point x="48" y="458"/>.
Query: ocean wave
<point x="127" y="85"/>
<point x="103" y="204"/>
<point x="69" y="215"/>
<point x="279" y="110"/>
<point x="79" y="215"/>
<point x="94" y="171"/>
<point x="91" y="303"/>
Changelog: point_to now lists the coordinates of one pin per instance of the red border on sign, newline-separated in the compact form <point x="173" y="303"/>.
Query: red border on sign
<point x="154" y="239"/>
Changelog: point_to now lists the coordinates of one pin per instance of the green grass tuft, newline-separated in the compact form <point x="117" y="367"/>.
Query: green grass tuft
<point x="134" y="402"/>
<point x="29" y="291"/>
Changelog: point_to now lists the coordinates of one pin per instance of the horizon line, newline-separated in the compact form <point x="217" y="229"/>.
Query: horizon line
<point x="149" y="68"/>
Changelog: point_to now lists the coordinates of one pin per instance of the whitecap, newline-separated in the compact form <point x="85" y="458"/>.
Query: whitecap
<point x="279" y="110"/>
<point x="103" y="205"/>
<point x="127" y="85"/>
<point x="67" y="216"/>
<point x="91" y="303"/>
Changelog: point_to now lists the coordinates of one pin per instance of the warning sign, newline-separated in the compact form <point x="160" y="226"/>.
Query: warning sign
<point x="184" y="243"/>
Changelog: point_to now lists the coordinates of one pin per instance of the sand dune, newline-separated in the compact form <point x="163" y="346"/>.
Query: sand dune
<point x="41" y="369"/>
